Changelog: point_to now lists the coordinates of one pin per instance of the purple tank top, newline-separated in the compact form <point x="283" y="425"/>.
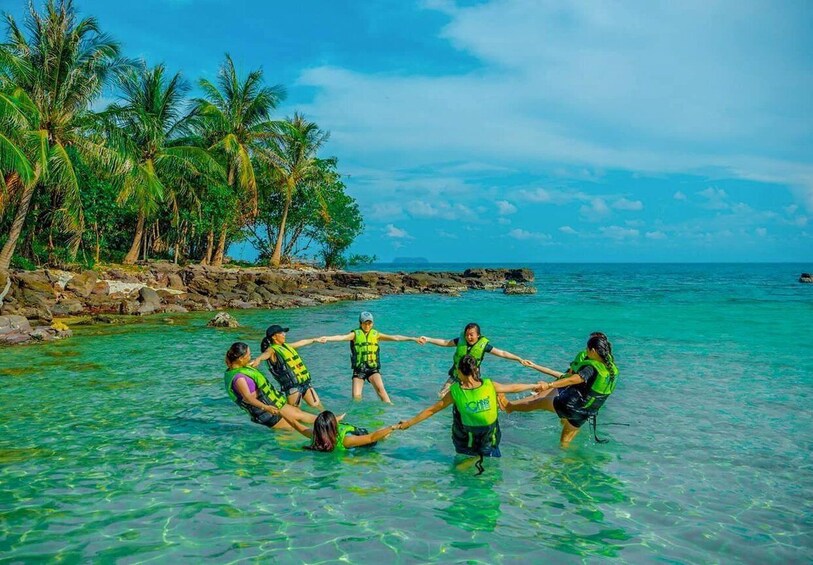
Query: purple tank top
<point x="252" y="386"/>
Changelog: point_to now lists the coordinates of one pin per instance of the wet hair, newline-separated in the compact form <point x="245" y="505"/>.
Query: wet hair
<point x="604" y="348"/>
<point x="325" y="432"/>
<point x="472" y="325"/>
<point x="468" y="366"/>
<point x="236" y="351"/>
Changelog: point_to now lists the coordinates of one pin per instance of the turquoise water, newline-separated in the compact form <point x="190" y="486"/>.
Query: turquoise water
<point x="119" y="444"/>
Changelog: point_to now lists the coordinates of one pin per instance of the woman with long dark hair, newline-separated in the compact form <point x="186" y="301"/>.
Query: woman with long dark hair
<point x="578" y="394"/>
<point x="251" y="391"/>
<point x="328" y="434"/>
<point x="475" y="426"/>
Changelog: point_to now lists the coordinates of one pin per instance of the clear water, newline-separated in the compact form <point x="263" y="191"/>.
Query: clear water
<point x="120" y="445"/>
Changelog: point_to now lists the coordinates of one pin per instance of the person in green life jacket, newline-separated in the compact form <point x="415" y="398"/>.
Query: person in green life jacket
<point x="471" y="342"/>
<point x="328" y="434"/>
<point x="577" y="394"/>
<point x="251" y="391"/>
<point x="365" y="359"/>
<point x="475" y="425"/>
<point x="287" y="367"/>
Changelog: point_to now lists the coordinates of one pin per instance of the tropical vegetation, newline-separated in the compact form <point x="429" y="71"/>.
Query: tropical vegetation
<point x="165" y="169"/>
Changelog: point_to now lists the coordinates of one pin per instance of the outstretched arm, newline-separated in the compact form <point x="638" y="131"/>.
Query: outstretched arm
<point x="385" y="337"/>
<point x="308" y="341"/>
<point x="506" y="355"/>
<point x="436" y="341"/>
<point x="296" y="424"/>
<point x="520" y="387"/>
<point x="332" y="338"/>
<point x="267" y="354"/>
<point x="545" y="370"/>
<point x="358" y="441"/>
<point x="432" y="410"/>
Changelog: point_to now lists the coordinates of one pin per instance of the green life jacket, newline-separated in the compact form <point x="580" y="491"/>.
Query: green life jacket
<point x="266" y="393"/>
<point x="478" y="351"/>
<point x="364" y="351"/>
<point x="289" y="370"/>
<point x="604" y="383"/>
<point x="475" y="427"/>
<point x="345" y="429"/>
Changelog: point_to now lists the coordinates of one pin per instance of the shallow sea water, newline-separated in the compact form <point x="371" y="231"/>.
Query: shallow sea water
<point x="119" y="445"/>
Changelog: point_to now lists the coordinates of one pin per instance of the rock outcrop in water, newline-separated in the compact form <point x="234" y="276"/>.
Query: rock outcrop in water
<point x="41" y="296"/>
<point x="806" y="278"/>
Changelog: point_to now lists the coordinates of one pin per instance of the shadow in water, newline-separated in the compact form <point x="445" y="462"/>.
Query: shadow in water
<point x="474" y="504"/>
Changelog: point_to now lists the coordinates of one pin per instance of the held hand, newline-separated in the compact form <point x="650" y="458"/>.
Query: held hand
<point x="255" y="363"/>
<point x="542" y="386"/>
<point x="527" y="362"/>
<point x="322" y="339"/>
<point x="421" y="340"/>
<point x="273" y="410"/>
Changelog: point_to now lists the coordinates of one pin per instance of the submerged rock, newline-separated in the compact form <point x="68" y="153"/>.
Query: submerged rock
<point x="806" y="278"/>
<point x="512" y="287"/>
<point x="223" y="320"/>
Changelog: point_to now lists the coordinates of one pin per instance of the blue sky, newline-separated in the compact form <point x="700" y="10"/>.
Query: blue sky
<point x="532" y="130"/>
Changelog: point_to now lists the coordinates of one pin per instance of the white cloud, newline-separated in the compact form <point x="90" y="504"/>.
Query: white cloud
<point x="443" y="210"/>
<point x="617" y="232"/>
<point x="655" y="235"/>
<point x="568" y="230"/>
<point x="446" y="235"/>
<point x="597" y="207"/>
<point x="385" y="211"/>
<point x="551" y="196"/>
<point x="679" y="196"/>
<point x="504" y="221"/>
<point x="715" y="198"/>
<point x="524" y="235"/>
<point x="505" y="208"/>
<point x="791" y="209"/>
<point x="397" y="233"/>
<point x="624" y="204"/>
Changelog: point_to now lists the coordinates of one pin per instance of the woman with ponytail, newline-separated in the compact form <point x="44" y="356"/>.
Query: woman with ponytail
<point x="328" y="434"/>
<point x="577" y="394"/>
<point x="475" y="427"/>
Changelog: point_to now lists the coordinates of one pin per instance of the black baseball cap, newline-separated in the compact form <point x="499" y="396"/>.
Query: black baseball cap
<point x="275" y="329"/>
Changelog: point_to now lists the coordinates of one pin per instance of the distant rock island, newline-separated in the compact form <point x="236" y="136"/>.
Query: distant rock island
<point x="410" y="260"/>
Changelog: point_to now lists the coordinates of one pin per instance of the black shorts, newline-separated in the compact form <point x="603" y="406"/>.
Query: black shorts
<point x="267" y="419"/>
<point x="364" y="374"/>
<point x="300" y="388"/>
<point x="568" y="405"/>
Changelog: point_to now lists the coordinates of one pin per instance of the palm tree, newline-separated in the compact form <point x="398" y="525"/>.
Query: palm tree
<point x="235" y="116"/>
<point x="144" y="128"/>
<point x="16" y="170"/>
<point x="58" y="70"/>
<point x="293" y="155"/>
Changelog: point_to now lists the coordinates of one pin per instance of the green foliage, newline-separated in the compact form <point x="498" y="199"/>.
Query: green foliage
<point x="358" y="259"/>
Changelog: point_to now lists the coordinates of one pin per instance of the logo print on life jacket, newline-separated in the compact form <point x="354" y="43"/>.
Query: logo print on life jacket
<point x="481" y="405"/>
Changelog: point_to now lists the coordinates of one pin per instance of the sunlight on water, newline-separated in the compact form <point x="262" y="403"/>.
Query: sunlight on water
<point x="120" y="444"/>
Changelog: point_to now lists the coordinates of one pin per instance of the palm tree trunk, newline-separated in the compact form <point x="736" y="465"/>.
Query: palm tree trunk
<point x="275" y="258"/>
<point x="16" y="226"/>
<point x="98" y="247"/>
<point x="132" y="255"/>
<point x="12" y="182"/>
<point x="210" y="242"/>
<point x="221" y="249"/>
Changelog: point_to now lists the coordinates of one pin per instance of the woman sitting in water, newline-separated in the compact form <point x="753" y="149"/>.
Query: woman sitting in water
<point x="475" y="427"/>
<point x="577" y="394"/>
<point x="252" y="392"/>
<point x="328" y="434"/>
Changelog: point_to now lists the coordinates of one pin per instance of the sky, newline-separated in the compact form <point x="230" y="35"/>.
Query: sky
<point x="535" y="130"/>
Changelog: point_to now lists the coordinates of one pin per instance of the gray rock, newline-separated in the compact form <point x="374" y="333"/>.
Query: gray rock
<point x="12" y="324"/>
<point x="806" y="278"/>
<point x="175" y="282"/>
<point x="149" y="298"/>
<point x="223" y="320"/>
<point x="175" y="309"/>
<point x="82" y="284"/>
<point x="67" y="307"/>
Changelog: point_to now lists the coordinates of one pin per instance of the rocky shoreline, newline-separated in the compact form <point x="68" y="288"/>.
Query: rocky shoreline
<point x="32" y="303"/>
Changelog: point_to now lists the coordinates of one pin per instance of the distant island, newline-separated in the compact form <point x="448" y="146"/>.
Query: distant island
<point x="410" y="260"/>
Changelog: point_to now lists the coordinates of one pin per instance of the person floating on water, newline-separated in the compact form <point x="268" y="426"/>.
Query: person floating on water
<point x="475" y="425"/>
<point x="328" y="434"/>
<point x="364" y="355"/>
<point x="579" y="393"/>
<point x="287" y="367"/>
<point x="251" y="391"/>
<point x="471" y="342"/>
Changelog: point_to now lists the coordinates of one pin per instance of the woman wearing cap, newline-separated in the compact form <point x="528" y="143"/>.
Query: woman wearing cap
<point x="287" y="367"/>
<point x="251" y="391"/>
<point x="578" y="394"/>
<point x="471" y="342"/>
<point x="364" y="355"/>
